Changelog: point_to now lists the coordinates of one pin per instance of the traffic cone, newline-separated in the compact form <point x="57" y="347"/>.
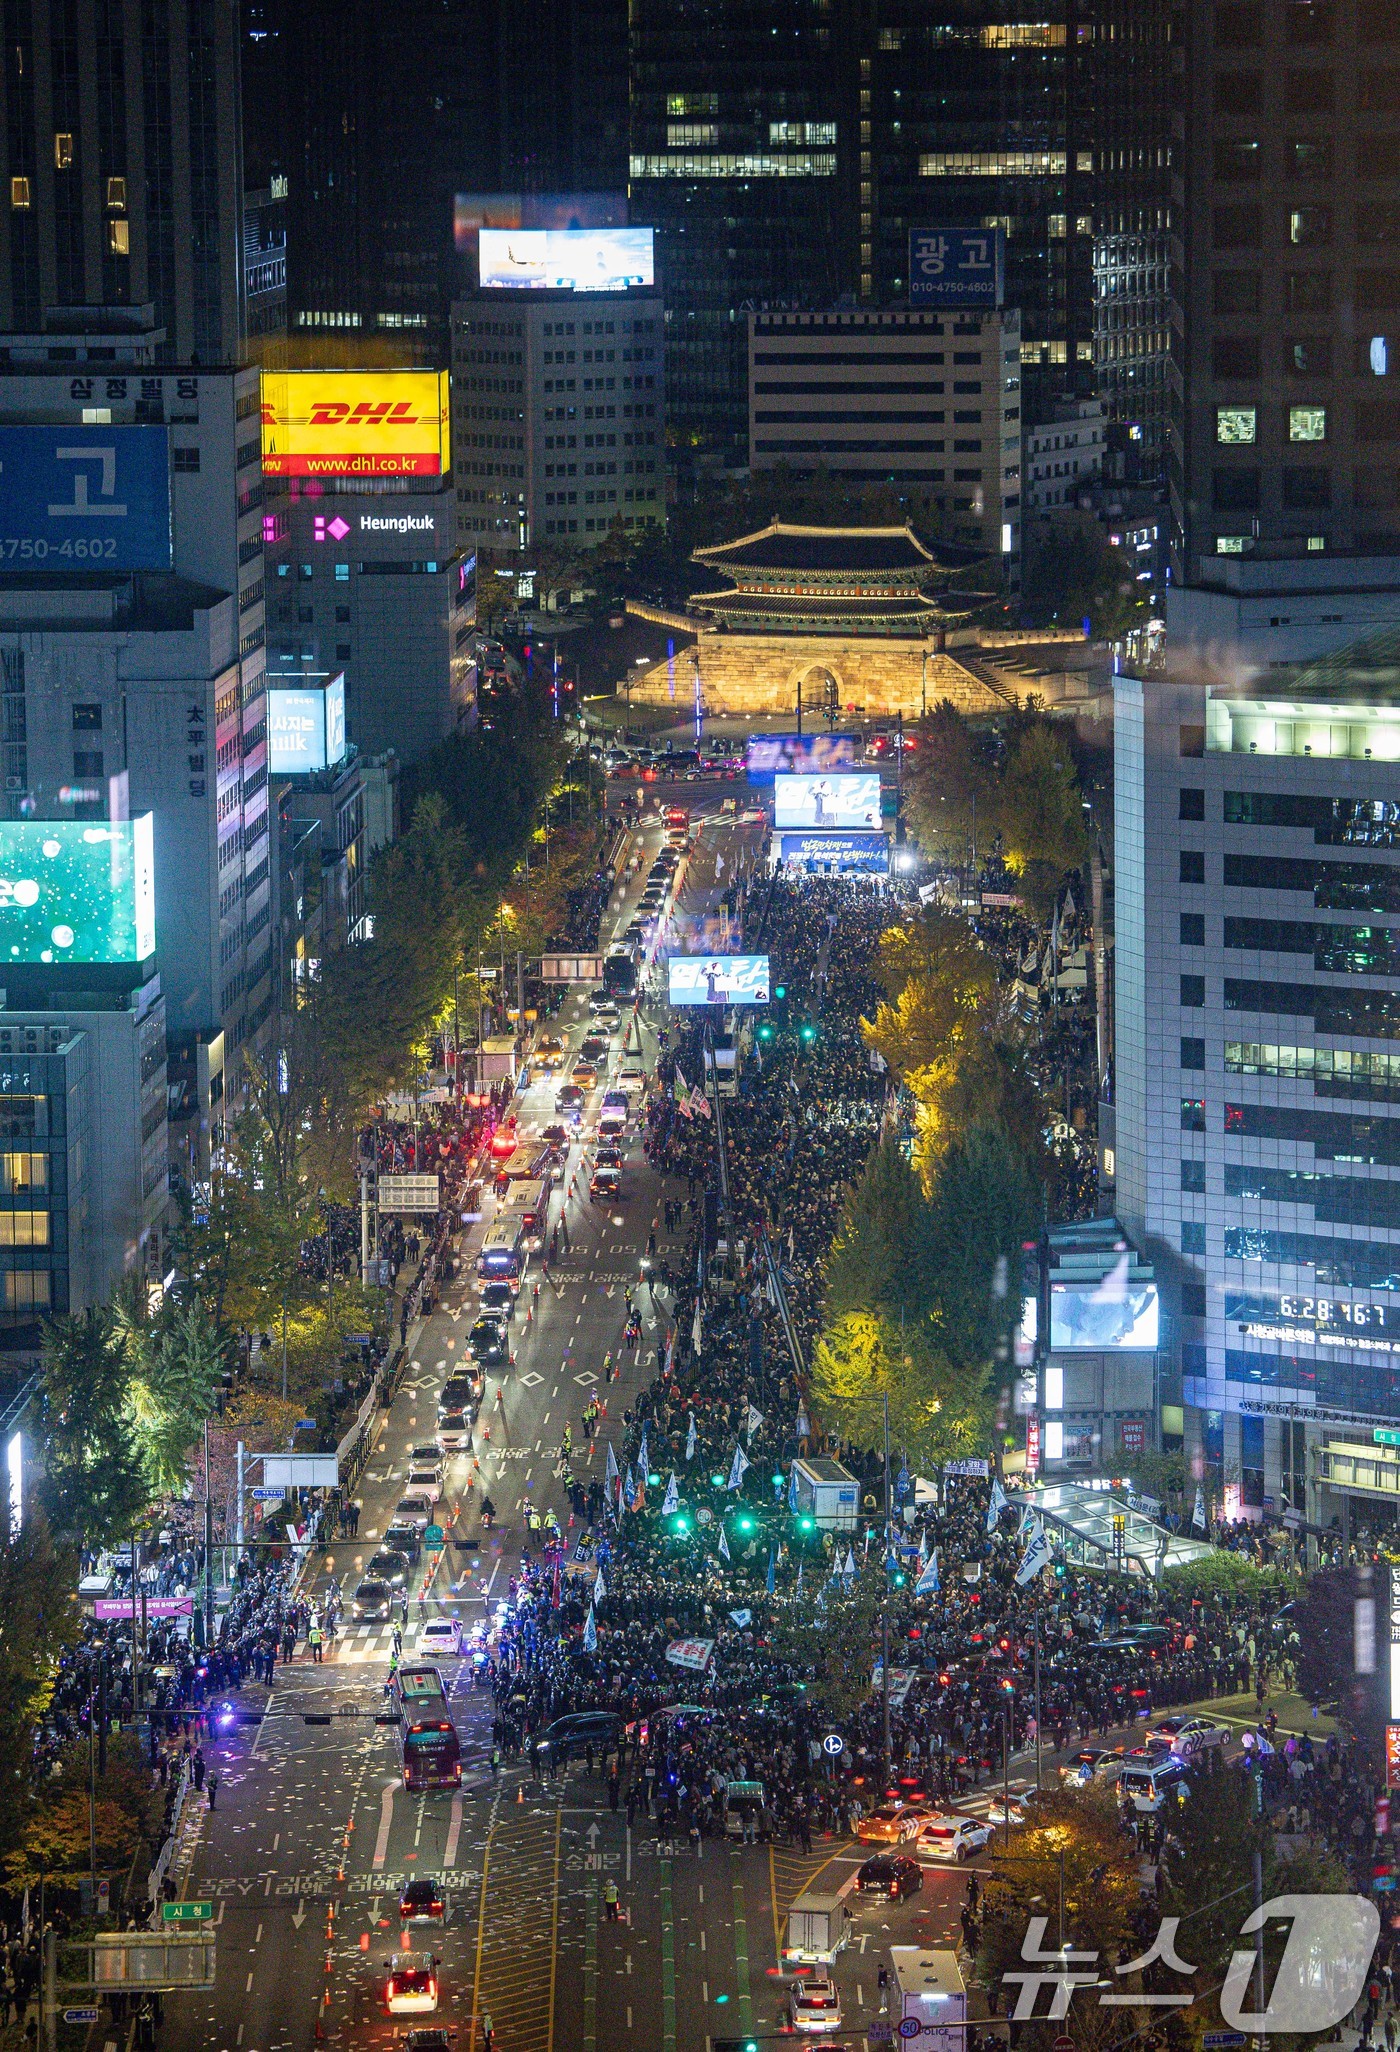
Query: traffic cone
<point x="520" y="1791"/>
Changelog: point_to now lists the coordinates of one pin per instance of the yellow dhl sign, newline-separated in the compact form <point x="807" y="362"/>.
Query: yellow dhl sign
<point x="355" y="423"/>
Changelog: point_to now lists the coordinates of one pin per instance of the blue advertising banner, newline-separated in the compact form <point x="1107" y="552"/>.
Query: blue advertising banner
<point x="956" y="266"/>
<point x="89" y="498"/>
<point x="868" y="853"/>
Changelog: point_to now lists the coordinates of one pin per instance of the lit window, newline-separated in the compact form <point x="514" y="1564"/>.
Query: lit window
<point x="62" y="151"/>
<point x="1229" y="545"/>
<point x="1236" y="424"/>
<point x="116" y="195"/>
<point x="1378" y="355"/>
<point x="119" y="237"/>
<point x="24" y="1229"/>
<point x="19" y="194"/>
<point x="24" y="1171"/>
<point x="1307" y="423"/>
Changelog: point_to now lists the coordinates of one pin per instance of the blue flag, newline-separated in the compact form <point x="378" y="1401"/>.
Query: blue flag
<point x="770" y="1573"/>
<point x="927" y="1584"/>
<point x="590" y="1633"/>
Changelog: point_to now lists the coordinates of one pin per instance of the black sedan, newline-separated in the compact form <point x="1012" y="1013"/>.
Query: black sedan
<point x="388" y="1565"/>
<point x="893" y="1875"/>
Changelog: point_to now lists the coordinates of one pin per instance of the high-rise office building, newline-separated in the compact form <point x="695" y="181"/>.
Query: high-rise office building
<point x="1286" y="196"/>
<point x="124" y="173"/>
<point x="558" y="415"/>
<point x="1257" y="1009"/>
<point x="929" y="402"/>
<point x="1130" y="66"/>
<point x="740" y="157"/>
<point x="372" y="115"/>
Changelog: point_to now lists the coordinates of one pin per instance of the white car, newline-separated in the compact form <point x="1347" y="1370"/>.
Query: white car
<point x="951" y="1838"/>
<point x="1190" y="1735"/>
<point x="412" y="1986"/>
<point x="425" y="1483"/>
<point x="814" y="2005"/>
<point x="438" y="1636"/>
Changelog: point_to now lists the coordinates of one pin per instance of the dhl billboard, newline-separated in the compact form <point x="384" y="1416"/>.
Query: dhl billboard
<point x="355" y="423"/>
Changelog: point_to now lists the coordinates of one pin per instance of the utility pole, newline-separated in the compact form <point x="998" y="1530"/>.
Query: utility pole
<point x="885" y="1609"/>
<point x="135" y="1639"/>
<point x="208" y="1548"/>
<point x="1037" y="1692"/>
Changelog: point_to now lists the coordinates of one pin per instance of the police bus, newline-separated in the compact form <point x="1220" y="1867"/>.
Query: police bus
<point x="502" y="1254"/>
<point x="527" y="1164"/>
<point x="429" y="1749"/>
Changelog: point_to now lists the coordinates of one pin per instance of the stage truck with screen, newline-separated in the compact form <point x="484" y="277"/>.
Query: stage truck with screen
<point x="77" y="891"/>
<point x="770" y="755"/>
<point x="719" y="979"/>
<point x="832" y="804"/>
<point x="566" y="259"/>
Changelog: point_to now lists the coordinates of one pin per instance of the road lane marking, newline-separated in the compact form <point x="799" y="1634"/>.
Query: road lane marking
<point x="386" y="1818"/>
<point x="741" y="1947"/>
<point x="554" y="1923"/>
<point x="454" y="1831"/>
<point x="668" y="1963"/>
<point x="481" y="1919"/>
<point x="590" y="1967"/>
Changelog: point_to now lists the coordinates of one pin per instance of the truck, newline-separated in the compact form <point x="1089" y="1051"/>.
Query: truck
<point x="825" y="1492"/>
<point x="929" y="2000"/>
<point x="818" y="1926"/>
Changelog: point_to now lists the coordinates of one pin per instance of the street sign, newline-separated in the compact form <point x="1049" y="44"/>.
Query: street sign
<point x="435" y="1536"/>
<point x="87" y="2016"/>
<point x="833" y="1744"/>
<point x="408" y="1193"/>
<point x="261" y="1495"/>
<point x="1064" y="2045"/>
<point x="309" y="1424"/>
<point x="1213" y="2039"/>
<point x="571" y="968"/>
<point x="300" y="1471"/>
<point x="187" y="1912"/>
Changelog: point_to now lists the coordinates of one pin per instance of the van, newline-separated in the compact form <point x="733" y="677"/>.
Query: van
<point x="743" y="1809"/>
<point x="597" y="1728"/>
<point x="613" y="1116"/>
<point x="1148" y="1783"/>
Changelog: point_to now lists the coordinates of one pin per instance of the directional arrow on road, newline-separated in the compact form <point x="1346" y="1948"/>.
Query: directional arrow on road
<point x="591" y="1834"/>
<point x="299" y="1914"/>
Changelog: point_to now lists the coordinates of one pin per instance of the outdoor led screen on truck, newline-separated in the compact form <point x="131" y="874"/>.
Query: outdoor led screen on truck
<point x="837" y="803"/>
<point x="74" y="891"/>
<point x="770" y="755"/>
<point x="719" y="979"/>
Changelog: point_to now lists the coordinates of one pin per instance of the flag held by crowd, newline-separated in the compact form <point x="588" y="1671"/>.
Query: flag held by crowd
<point x="738" y="1468"/>
<point x="997" y="1505"/>
<point x="672" y="1500"/>
<point x="590" y="1633"/>
<point x="1035" y="1557"/>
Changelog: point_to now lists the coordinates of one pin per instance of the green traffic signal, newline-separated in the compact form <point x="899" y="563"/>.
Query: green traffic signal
<point x="746" y="1524"/>
<point x="680" y="1526"/>
<point x="809" y="1033"/>
<point x="807" y="1524"/>
<point x="780" y="990"/>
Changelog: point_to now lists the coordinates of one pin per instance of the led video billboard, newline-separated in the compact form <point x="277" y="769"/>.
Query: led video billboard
<point x="719" y="979"/>
<point x="848" y="854"/>
<point x="566" y="259"/>
<point x="1091" y="1318"/>
<point x="473" y="211"/>
<point x="84" y="498"/>
<point x="355" y="423"/>
<point x="770" y="755"/>
<point x="74" y="891"/>
<point x="305" y="727"/>
<point x="837" y="804"/>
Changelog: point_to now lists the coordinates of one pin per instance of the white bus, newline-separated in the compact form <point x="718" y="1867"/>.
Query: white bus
<point x="529" y="1202"/>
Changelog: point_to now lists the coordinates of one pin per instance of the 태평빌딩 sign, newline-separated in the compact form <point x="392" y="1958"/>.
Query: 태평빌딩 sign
<point x="77" y="890"/>
<point x="84" y="498"/>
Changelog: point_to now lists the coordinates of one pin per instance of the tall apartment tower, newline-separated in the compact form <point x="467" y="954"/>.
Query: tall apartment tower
<point x="123" y="181"/>
<point x="1286" y="301"/>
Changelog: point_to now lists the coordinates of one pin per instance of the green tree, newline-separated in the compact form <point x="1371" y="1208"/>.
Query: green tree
<point x="982" y="1207"/>
<point x="871" y="1265"/>
<point x="949" y="787"/>
<point x="96" y="1487"/>
<point x="829" y="1635"/>
<point x="175" y="1389"/>
<point x="1075" y="573"/>
<point x="39" y="1620"/>
<point x="937" y="1410"/>
<point x="1040" y="814"/>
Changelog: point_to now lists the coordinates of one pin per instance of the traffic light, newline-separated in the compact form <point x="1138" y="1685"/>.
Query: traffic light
<point x="780" y="991"/>
<point x="680" y="1526"/>
<point x="765" y="1031"/>
<point x="735" y="2044"/>
<point x="807" y="1524"/>
<point x="809" y="1032"/>
<point x="745" y="1525"/>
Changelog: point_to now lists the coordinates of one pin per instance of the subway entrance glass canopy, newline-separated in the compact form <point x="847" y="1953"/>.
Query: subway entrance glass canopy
<point x="1081" y="1522"/>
